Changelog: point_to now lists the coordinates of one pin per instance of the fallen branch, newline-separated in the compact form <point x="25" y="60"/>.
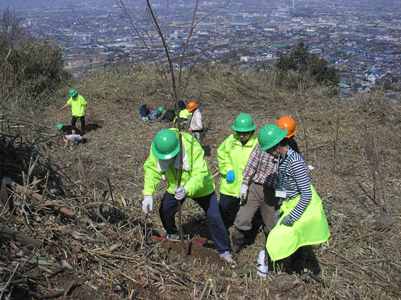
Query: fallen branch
<point x="56" y="206"/>
<point x="60" y="208"/>
<point x="8" y="281"/>
<point x="19" y="189"/>
<point x="10" y="234"/>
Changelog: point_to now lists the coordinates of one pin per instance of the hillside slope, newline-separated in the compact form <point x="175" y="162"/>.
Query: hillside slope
<point x="353" y="145"/>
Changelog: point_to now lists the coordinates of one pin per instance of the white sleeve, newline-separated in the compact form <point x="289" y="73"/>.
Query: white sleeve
<point x="74" y="137"/>
<point x="196" y="121"/>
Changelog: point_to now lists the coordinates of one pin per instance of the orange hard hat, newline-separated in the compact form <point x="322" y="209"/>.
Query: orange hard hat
<point x="288" y="123"/>
<point x="192" y="105"/>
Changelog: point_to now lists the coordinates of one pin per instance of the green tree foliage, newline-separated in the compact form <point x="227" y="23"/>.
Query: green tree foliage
<point x="308" y="66"/>
<point x="29" y="67"/>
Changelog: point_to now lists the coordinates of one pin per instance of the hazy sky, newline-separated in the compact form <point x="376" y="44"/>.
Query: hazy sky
<point x="21" y="4"/>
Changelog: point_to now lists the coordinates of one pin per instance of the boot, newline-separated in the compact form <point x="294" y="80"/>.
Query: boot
<point x="238" y="240"/>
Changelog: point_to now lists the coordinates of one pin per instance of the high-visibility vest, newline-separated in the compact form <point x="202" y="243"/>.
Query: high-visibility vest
<point x="78" y="106"/>
<point x="185" y="114"/>
<point x="311" y="229"/>
<point x="196" y="179"/>
<point x="232" y="155"/>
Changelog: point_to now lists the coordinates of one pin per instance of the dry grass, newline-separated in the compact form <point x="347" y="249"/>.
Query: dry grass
<point x="360" y="261"/>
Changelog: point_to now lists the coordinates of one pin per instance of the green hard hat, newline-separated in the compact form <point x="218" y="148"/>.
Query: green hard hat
<point x="59" y="126"/>
<point x="72" y="93"/>
<point x="270" y="135"/>
<point x="160" y="109"/>
<point x="165" y="144"/>
<point x="243" y="123"/>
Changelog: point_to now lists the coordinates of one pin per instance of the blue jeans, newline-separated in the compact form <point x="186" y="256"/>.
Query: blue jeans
<point x="229" y="207"/>
<point x="169" y="207"/>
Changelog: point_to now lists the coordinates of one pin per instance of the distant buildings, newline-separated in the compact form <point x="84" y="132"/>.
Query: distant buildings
<point x="362" y="41"/>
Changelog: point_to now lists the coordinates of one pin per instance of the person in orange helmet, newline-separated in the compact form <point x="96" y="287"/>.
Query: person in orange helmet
<point x="288" y="123"/>
<point x="194" y="116"/>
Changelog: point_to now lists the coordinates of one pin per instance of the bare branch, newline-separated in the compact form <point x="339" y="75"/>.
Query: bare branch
<point x="194" y="24"/>
<point x="186" y="44"/>
<point x="165" y="46"/>
<point x="132" y="23"/>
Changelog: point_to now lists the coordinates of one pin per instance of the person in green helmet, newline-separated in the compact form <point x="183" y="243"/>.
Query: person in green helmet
<point x="302" y="220"/>
<point x="258" y="204"/>
<point x="232" y="155"/>
<point x="78" y="106"/>
<point x="167" y="158"/>
<point x="157" y="113"/>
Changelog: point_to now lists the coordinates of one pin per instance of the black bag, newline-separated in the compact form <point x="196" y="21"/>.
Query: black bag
<point x="181" y="105"/>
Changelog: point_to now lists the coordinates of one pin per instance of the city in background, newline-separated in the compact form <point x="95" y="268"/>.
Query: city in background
<point x="362" y="39"/>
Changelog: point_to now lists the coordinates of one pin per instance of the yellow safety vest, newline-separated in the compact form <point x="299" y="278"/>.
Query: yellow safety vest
<point x="185" y="114"/>
<point x="78" y="106"/>
<point x="232" y="155"/>
<point x="197" y="180"/>
<point x="311" y="229"/>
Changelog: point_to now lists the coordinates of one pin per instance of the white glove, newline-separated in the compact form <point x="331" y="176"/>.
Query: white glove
<point x="243" y="193"/>
<point x="147" y="204"/>
<point x="180" y="193"/>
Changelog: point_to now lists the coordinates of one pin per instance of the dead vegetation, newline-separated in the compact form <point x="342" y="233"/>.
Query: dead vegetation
<point x="85" y="237"/>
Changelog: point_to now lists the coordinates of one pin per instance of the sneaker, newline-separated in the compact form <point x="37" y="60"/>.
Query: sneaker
<point x="262" y="268"/>
<point x="262" y="271"/>
<point x="227" y="257"/>
<point x="173" y="237"/>
<point x="261" y="257"/>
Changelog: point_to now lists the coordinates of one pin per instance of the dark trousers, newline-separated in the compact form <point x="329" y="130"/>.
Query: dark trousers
<point x="74" y="122"/>
<point x="169" y="207"/>
<point x="229" y="207"/>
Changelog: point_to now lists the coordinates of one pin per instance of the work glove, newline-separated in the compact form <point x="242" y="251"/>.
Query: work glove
<point x="287" y="220"/>
<point x="243" y="194"/>
<point x="230" y="176"/>
<point x="180" y="193"/>
<point x="147" y="204"/>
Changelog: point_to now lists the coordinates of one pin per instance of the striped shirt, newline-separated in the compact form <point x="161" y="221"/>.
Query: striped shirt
<point x="294" y="179"/>
<point x="261" y="168"/>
